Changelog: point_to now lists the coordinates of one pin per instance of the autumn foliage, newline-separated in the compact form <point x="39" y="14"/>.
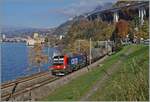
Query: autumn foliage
<point x="84" y="29"/>
<point x="36" y="56"/>
<point x="122" y="28"/>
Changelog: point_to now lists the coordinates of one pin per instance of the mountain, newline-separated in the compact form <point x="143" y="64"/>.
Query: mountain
<point x="103" y="6"/>
<point x="63" y="28"/>
<point x="11" y="31"/>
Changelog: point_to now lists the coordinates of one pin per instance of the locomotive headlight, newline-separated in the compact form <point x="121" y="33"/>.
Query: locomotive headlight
<point x="58" y="66"/>
<point x="64" y="67"/>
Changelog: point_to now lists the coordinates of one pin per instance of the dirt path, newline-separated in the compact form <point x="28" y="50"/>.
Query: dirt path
<point x="108" y="73"/>
<point x="100" y="84"/>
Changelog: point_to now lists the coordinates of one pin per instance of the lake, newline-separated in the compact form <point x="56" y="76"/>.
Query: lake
<point x="15" y="61"/>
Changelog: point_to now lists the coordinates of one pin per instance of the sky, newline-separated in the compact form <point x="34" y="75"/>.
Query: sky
<point x="43" y="13"/>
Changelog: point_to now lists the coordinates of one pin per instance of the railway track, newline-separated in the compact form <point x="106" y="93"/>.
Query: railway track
<point x="7" y="96"/>
<point x="22" y="85"/>
<point x="24" y="79"/>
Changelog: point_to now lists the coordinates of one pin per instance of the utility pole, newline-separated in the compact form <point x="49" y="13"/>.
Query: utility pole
<point x="79" y="45"/>
<point x="48" y="49"/>
<point x="90" y="51"/>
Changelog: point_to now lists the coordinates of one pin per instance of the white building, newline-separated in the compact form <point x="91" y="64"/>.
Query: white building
<point x="3" y="36"/>
<point x="30" y="42"/>
<point x="61" y="36"/>
<point x="35" y="35"/>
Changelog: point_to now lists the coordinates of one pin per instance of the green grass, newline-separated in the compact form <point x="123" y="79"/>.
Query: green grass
<point x="130" y="83"/>
<point x="78" y="87"/>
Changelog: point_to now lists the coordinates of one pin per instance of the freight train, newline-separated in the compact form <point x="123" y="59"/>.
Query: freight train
<point x="64" y="64"/>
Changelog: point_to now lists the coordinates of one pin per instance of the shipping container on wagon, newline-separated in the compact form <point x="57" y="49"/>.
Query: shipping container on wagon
<point x="77" y="61"/>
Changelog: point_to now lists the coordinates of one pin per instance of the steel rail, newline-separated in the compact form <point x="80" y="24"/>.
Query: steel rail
<point x="29" y="88"/>
<point x="24" y="79"/>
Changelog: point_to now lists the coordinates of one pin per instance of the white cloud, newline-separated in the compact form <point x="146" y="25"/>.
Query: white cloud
<point x="79" y="7"/>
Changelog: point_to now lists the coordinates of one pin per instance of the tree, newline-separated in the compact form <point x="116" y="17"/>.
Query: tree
<point x="36" y="56"/>
<point x="46" y="39"/>
<point x="107" y="31"/>
<point x="83" y="45"/>
<point x="83" y="29"/>
<point x="120" y="33"/>
<point x="122" y="29"/>
<point x="136" y="20"/>
<point x="144" y="30"/>
<point x="131" y="35"/>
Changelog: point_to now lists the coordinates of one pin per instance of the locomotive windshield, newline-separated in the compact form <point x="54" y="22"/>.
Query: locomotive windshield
<point x="58" y="60"/>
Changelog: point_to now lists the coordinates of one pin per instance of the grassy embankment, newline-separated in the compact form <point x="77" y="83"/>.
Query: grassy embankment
<point x="129" y="83"/>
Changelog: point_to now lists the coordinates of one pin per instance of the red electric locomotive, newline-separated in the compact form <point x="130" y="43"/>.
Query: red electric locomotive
<point x="65" y="64"/>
